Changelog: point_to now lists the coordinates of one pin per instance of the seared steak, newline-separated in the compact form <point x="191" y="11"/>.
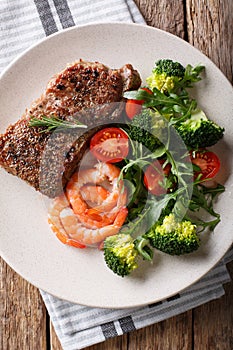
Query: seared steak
<point x="88" y="91"/>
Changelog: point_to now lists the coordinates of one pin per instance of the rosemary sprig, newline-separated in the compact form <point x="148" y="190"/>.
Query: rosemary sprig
<point x="52" y="123"/>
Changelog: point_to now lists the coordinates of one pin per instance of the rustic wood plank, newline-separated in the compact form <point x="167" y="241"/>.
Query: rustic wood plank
<point x="174" y="333"/>
<point x="119" y="343"/>
<point x="167" y="15"/>
<point x="24" y="319"/>
<point x="210" y="26"/>
<point x="22" y="313"/>
<point x="213" y="321"/>
<point x="210" y="30"/>
<point x="54" y="341"/>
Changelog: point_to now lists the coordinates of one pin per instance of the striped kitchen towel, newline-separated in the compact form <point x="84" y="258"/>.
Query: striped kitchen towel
<point x="23" y="23"/>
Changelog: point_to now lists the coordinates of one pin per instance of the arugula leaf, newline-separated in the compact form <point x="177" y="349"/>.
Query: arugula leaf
<point x="171" y="105"/>
<point x="137" y="193"/>
<point x="191" y="75"/>
<point x="203" y="198"/>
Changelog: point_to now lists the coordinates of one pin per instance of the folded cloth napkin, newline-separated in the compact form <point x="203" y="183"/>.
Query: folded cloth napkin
<point x="23" y="23"/>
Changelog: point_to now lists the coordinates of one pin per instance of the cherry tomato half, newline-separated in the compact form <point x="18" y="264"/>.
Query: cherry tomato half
<point x="134" y="107"/>
<point x="110" y="145"/>
<point x="207" y="161"/>
<point x="154" y="176"/>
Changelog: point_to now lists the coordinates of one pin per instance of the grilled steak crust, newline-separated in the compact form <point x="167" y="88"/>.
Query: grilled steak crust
<point x="88" y="91"/>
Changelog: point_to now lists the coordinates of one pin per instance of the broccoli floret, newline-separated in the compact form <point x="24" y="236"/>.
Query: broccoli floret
<point x="199" y="131"/>
<point x="165" y="75"/>
<point x="120" y="254"/>
<point x="147" y="128"/>
<point x="174" y="237"/>
<point x="122" y="251"/>
<point x="170" y="68"/>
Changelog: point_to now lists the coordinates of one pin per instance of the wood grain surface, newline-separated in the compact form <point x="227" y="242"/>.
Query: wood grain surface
<point x="25" y="325"/>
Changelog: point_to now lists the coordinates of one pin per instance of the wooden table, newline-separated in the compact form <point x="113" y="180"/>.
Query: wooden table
<point x="206" y="24"/>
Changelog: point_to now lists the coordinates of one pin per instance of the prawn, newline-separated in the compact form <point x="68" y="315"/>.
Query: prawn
<point x="78" y="232"/>
<point x="97" y="175"/>
<point x="94" y="218"/>
<point x="107" y="205"/>
<point x="60" y="203"/>
<point x="94" y="194"/>
<point x="92" y="208"/>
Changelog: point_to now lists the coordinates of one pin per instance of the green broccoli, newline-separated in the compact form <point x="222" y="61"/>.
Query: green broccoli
<point x="174" y="237"/>
<point x="170" y="77"/>
<point x="120" y="254"/>
<point x="122" y="251"/>
<point x="147" y="128"/>
<point x="170" y="68"/>
<point x="199" y="131"/>
<point x="165" y="75"/>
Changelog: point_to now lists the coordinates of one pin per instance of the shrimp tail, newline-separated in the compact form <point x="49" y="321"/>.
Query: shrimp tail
<point x="64" y="237"/>
<point x="120" y="218"/>
<point x="69" y="241"/>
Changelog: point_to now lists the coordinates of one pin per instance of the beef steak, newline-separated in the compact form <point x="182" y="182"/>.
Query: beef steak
<point x="88" y="91"/>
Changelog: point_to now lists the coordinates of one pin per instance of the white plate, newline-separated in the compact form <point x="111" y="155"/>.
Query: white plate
<point x="28" y="245"/>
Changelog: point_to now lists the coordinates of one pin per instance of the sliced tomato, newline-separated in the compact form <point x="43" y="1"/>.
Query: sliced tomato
<point x="154" y="176"/>
<point x="134" y="107"/>
<point x="110" y="145"/>
<point x="208" y="163"/>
